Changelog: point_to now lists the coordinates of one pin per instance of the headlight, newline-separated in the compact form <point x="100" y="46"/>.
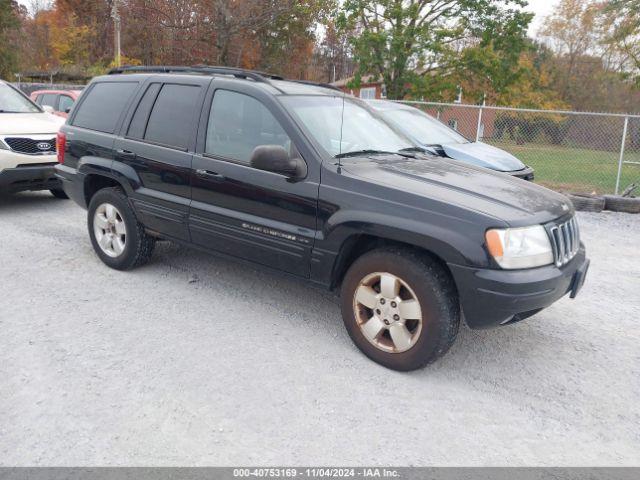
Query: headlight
<point x="515" y="248"/>
<point x="3" y="146"/>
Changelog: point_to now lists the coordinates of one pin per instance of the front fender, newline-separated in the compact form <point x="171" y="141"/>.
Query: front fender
<point x="449" y="244"/>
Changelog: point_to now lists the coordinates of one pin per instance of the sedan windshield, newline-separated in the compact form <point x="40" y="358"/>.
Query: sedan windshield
<point x="423" y="127"/>
<point x="344" y="125"/>
<point x="12" y="101"/>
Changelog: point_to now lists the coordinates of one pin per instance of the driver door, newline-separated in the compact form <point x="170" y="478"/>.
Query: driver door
<point x="241" y="211"/>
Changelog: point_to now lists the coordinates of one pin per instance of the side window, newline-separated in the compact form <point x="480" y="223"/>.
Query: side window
<point x="49" y="99"/>
<point x="138" y="123"/>
<point x="103" y="105"/>
<point x="238" y="124"/>
<point x="65" y="102"/>
<point x="172" y="119"/>
<point x="38" y="99"/>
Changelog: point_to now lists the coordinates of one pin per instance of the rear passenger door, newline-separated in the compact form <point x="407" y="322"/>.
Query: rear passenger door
<point x="157" y="143"/>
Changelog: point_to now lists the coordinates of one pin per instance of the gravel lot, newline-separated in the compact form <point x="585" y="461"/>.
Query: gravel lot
<point x="194" y="360"/>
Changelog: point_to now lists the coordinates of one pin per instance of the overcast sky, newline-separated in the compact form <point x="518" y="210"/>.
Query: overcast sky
<point x="540" y="7"/>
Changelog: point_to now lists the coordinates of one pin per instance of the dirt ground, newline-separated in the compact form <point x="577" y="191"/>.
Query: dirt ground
<point x="194" y="360"/>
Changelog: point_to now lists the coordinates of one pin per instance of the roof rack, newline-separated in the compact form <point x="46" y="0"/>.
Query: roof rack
<point x="316" y="84"/>
<point x="256" y="76"/>
<point x="204" y="69"/>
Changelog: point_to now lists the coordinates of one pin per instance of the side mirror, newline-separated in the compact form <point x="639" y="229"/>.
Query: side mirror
<point x="276" y="159"/>
<point x="48" y="108"/>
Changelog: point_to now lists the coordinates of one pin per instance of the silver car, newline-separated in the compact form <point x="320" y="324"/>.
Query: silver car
<point x="437" y="138"/>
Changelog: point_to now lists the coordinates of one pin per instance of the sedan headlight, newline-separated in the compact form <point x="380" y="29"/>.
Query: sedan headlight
<point x="515" y="248"/>
<point x="3" y="146"/>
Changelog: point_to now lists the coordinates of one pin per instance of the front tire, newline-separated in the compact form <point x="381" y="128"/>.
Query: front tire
<point x="117" y="237"/>
<point x="400" y="308"/>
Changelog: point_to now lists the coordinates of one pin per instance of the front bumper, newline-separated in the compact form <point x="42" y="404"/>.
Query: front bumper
<point x="491" y="298"/>
<point x="28" y="177"/>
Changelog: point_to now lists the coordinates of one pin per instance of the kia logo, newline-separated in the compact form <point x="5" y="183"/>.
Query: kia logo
<point x="44" y="146"/>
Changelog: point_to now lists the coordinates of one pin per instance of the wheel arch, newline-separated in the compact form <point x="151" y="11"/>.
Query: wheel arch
<point x="356" y="244"/>
<point x="101" y="173"/>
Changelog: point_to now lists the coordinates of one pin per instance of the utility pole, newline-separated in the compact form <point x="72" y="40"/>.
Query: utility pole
<point x="115" y="14"/>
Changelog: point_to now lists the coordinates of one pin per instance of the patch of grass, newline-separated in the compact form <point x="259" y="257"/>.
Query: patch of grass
<point x="575" y="169"/>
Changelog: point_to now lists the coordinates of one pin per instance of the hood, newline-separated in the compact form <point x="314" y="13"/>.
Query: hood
<point x="494" y="194"/>
<point x="29" y="123"/>
<point x="483" y="155"/>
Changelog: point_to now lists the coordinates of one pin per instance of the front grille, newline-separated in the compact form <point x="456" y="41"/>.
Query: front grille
<point x="31" y="146"/>
<point x="565" y="241"/>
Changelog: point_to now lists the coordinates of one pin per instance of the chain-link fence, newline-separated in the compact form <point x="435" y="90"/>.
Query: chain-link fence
<point x="570" y="151"/>
<point x="28" y="88"/>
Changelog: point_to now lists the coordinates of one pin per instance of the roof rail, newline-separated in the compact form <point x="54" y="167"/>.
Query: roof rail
<point x="316" y="84"/>
<point x="256" y="76"/>
<point x="203" y="69"/>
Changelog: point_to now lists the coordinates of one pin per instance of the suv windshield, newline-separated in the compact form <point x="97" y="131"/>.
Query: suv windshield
<point x="343" y="125"/>
<point x="422" y="127"/>
<point x="12" y="101"/>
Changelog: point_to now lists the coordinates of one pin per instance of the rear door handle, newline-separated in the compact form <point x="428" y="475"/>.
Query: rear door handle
<point x="210" y="175"/>
<point x="126" y="154"/>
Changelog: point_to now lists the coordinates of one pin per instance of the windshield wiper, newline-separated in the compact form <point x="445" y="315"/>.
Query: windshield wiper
<point x="412" y="149"/>
<point x="357" y="153"/>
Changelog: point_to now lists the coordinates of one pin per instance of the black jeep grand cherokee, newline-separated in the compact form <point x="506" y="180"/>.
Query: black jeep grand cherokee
<point x="308" y="181"/>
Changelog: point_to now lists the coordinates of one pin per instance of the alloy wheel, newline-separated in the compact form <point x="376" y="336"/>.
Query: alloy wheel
<point x="388" y="312"/>
<point x="110" y="230"/>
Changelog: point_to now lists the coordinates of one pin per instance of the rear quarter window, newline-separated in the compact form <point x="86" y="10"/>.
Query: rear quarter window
<point x="104" y="103"/>
<point x="171" y="122"/>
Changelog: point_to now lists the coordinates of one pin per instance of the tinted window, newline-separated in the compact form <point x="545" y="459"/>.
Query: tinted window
<point x="65" y="102"/>
<point x="139" y="121"/>
<point x="103" y="104"/>
<point x="49" y="99"/>
<point x="171" y="120"/>
<point x="238" y="124"/>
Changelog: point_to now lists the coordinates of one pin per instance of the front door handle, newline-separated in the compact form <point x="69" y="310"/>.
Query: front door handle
<point x="126" y="154"/>
<point x="210" y="175"/>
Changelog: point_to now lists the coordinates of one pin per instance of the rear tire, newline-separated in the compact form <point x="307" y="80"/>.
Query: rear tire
<point x="118" y="238"/>
<point x="392" y="336"/>
<point x="59" y="193"/>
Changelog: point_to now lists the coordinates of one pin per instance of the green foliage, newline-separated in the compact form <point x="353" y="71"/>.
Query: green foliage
<point x="621" y="19"/>
<point x="415" y="45"/>
<point x="9" y="27"/>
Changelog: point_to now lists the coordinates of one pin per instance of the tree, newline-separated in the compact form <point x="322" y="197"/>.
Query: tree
<point x="621" y="22"/>
<point x="412" y="44"/>
<point x="9" y="29"/>
<point x="571" y="33"/>
<point x="588" y="66"/>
